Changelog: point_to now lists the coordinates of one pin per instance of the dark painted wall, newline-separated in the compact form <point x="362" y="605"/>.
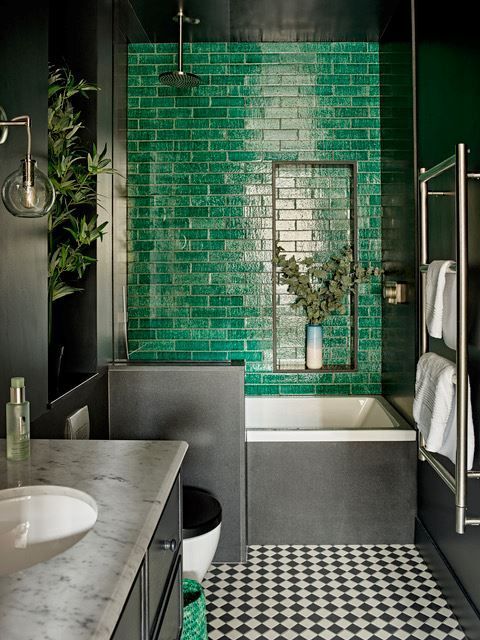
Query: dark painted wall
<point x="270" y="20"/>
<point x="93" y="393"/>
<point x="23" y="242"/>
<point x="398" y="222"/>
<point x="448" y="81"/>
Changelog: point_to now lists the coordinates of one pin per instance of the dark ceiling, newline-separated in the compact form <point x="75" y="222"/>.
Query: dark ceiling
<point x="268" y="20"/>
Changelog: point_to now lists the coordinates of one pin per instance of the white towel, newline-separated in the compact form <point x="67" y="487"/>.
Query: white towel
<point x="434" y="288"/>
<point x="449" y="322"/>
<point x="434" y="407"/>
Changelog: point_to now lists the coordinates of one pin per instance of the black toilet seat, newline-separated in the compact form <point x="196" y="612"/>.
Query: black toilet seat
<point x="201" y="512"/>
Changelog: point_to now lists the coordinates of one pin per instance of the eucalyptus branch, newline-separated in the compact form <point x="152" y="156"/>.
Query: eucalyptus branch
<point x="320" y="288"/>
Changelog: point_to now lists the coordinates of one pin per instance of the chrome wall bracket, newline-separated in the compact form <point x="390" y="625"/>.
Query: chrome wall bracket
<point x="395" y="292"/>
<point x="3" y="127"/>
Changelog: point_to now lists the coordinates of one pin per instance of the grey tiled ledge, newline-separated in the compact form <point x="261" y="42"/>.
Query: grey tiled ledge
<point x="80" y="593"/>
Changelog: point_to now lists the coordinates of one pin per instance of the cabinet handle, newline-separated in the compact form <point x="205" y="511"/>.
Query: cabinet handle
<point x="168" y="545"/>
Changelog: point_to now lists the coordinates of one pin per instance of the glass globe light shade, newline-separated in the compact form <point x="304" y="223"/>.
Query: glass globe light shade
<point x="27" y="192"/>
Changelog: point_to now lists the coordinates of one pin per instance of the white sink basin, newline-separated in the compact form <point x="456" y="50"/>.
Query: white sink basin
<point x="39" y="522"/>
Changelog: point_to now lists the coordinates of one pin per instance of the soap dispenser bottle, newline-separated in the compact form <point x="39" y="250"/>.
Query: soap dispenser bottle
<point x="18" y="422"/>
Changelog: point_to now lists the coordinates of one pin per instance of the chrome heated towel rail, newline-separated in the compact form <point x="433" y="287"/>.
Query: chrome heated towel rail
<point x="458" y="483"/>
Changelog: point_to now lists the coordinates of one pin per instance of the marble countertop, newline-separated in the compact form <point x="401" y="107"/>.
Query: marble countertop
<point x="79" y="594"/>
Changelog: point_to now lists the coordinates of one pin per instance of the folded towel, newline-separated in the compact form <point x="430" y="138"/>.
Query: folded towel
<point x="449" y="323"/>
<point x="449" y="444"/>
<point x="434" y="288"/>
<point x="434" y="407"/>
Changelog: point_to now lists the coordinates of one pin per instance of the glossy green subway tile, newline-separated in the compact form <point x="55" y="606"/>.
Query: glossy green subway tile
<point x="228" y="345"/>
<point x="260" y="389"/>
<point x="226" y="58"/>
<point x="209" y="47"/>
<point x="334" y="389"/>
<point x="194" y="323"/>
<point x="366" y="389"/>
<point x="226" y="301"/>
<point x="208" y="267"/>
<point x="292" y="389"/>
<point x="210" y="355"/>
<point x="192" y="345"/>
<point x="211" y="312"/>
<point x="157" y="323"/>
<point x="226" y="234"/>
<point x="242" y="334"/>
<point x="195" y="58"/>
<point x="207" y="245"/>
<point x="353" y="68"/>
<point x="199" y="280"/>
<point x="255" y="378"/>
<point x="155" y="278"/>
<point x="248" y="356"/>
<point x="169" y="355"/>
<point x="230" y="323"/>
<point x="192" y="123"/>
<point x="188" y="257"/>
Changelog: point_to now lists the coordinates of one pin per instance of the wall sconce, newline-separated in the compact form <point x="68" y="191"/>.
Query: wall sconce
<point x="27" y="192"/>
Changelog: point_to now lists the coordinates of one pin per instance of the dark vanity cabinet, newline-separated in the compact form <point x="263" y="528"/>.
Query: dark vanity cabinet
<point x="129" y="626"/>
<point x="153" y="610"/>
<point x="164" y="572"/>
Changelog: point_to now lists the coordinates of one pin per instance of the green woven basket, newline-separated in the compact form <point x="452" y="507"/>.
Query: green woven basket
<point x="194" y="611"/>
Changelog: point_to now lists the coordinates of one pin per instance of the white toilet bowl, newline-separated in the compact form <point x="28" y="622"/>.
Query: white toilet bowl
<point x="198" y="553"/>
<point x="202" y="522"/>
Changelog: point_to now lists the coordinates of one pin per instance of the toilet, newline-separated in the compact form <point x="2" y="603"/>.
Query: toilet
<point x="202" y="521"/>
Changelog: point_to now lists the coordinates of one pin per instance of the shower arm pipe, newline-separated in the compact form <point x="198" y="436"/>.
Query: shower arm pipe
<point x="457" y="484"/>
<point x="180" y="41"/>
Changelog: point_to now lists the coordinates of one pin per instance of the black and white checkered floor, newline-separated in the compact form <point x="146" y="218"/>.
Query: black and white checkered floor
<point x="354" y="592"/>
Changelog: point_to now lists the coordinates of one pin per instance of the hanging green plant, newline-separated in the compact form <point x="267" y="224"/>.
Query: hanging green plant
<point x="73" y="169"/>
<point x="321" y="288"/>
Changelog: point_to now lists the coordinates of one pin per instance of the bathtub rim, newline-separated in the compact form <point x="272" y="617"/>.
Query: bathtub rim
<point x="402" y="431"/>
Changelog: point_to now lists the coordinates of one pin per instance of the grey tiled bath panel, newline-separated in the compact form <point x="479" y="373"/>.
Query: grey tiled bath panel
<point x="331" y="492"/>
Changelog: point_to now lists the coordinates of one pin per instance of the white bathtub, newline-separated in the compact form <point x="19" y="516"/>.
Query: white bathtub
<point x="323" y="419"/>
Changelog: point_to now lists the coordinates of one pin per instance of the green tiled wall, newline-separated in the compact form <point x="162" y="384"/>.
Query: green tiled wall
<point x="200" y="211"/>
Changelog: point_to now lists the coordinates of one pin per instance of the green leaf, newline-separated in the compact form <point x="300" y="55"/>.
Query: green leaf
<point x="63" y="290"/>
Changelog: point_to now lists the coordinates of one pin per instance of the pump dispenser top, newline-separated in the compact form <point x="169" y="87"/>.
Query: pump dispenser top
<point x="18" y="421"/>
<point x="17" y="390"/>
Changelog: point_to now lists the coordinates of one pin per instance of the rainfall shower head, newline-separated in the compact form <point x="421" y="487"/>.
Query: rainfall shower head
<point x="180" y="79"/>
